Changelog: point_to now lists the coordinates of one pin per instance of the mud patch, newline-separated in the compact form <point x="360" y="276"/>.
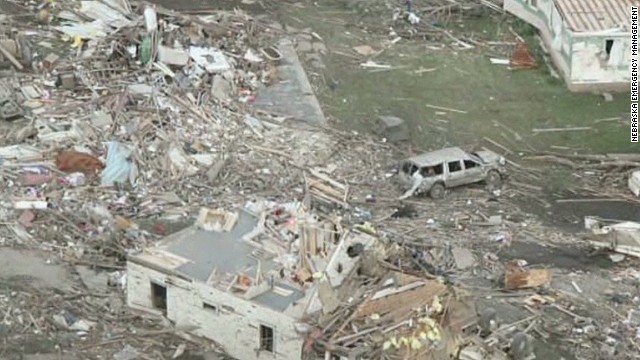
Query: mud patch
<point x="570" y="215"/>
<point x="30" y="268"/>
<point x="9" y="8"/>
<point x="39" y="346"/>
<point x="568" y="257"/>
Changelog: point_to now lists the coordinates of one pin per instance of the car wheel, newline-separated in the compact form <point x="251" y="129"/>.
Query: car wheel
<point x="437" y="191"/>
<point x="494" y="179"/>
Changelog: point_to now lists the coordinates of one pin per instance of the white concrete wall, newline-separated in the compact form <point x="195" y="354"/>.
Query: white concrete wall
<point x="534" y="15"/>
<point x="590" y="64"/>
<point x="578" y="56"/>
<point x="236" y="324"/>
<point x="544" y="17"/>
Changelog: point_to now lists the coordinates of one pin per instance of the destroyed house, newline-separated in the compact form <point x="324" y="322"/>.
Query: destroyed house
<point x="589" y="41"/>
<point x="248" y="279"/>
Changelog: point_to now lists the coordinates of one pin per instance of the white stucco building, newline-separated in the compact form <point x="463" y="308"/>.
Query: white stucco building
<point x="589" y="40"/>
<point x="246" y="279"/>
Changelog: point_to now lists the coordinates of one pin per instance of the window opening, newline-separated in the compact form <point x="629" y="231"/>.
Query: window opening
<point x="454" y="166"/>
<point x="608" y="45"/>
<point x="210" y="307"/>
<point x="468" y="164"/>
<point x="159" y="296"/>
<point x="409" y="168"/>
<point x="427" y="171"/>
<point x="266" y="338"/>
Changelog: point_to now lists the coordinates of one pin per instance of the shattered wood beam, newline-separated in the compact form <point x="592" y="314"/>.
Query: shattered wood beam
<point x="498" y="145"/>
<point x="329" y="346"/>
<point x="550" y="158"/>
<point x="580" y="128"/>
<point x="592" y="157"/>
<point x="610" y="164"/>
<point x="410" y="298"/>
<point x="11" y="58"/>
<point x="357" y="335"/>
<point x="328" y="179"/>
<point x="354" y="314"/>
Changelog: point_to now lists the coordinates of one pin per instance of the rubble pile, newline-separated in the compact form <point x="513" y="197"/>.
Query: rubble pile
<point x="127" y="121"/>
<point x="152" y="100"/>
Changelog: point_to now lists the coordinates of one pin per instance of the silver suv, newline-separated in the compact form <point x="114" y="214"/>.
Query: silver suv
<point x="435" y="171"/>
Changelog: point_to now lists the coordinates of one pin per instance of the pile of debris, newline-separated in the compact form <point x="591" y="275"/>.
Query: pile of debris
<point x="147" y="103"/>
<point x="147" y="122"/>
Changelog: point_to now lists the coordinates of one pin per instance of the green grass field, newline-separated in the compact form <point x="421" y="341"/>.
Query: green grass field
<point x="493" y="101"/>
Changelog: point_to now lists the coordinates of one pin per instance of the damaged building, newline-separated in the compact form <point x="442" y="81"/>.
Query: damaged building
<point x="247" y="279"/>
<point x="277" y="281"/>
<point x="589" y="41"/>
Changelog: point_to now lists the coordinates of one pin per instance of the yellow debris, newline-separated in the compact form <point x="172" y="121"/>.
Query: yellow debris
<point x="415" y="344"/>
<point x="77" y="42"/>
<point x="434" y="335"/>
<point x="404" y="341"/>
<point x="367" y="228"/>
<point x="427" y="321"/>
<point x="436" y="305"/>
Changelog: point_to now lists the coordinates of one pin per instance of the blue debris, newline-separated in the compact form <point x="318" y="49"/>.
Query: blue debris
<point x="120" y="166"/>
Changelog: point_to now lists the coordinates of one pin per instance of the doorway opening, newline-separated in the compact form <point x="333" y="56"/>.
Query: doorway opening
<point x="159" y="297"/>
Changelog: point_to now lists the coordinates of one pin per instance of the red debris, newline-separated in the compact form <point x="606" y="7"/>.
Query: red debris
<point x="160" y="229"/>
<point x="27" y="218"/>
<point x="522" y="58"/>
<point x="75" y="161"/>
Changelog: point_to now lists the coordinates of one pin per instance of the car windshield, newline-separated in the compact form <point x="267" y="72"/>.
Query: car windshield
<point x="475" y="157"/>
<point x="409" y="168"/>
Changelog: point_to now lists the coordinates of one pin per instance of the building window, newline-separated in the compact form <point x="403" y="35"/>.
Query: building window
<point x="533" y="3"/>
<point x="159" y="297"/>
<point x="210" y="307"/>
<point x="608" y="45"/>
<point x="227" y="309"/>
<point x="266" y="338"/>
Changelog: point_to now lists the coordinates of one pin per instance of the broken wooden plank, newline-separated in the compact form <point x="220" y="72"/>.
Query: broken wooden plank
<point x="327" y="179"/>
<point x="7" y="54"/>
<point x="324" y="188"/>
<point x="497" y="144"/>
<point x="413" y="297"/>
<point x="578" y="128"/>
<point x="445" y="109"/>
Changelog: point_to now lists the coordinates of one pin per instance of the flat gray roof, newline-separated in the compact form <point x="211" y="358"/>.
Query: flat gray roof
<point x="226" y="252"/>
<point x="438" y="156"/>
<point x="280" y="297"/>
